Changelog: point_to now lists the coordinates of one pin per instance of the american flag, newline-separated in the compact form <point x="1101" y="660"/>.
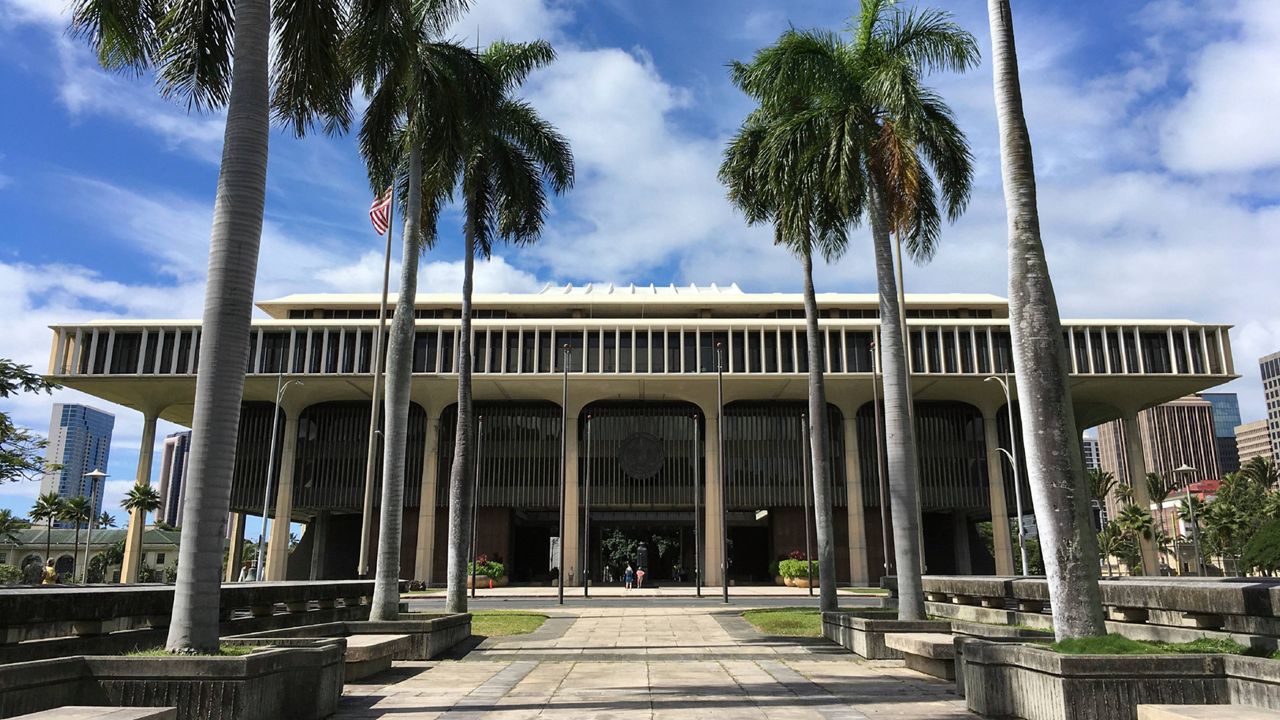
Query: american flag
<point x="380" y="211"/>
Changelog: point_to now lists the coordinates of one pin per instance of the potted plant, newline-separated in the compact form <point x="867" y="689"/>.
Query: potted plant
<point x="775" y="573"/>
<point x="486" y="571"/>
<point x="796" y="572"/>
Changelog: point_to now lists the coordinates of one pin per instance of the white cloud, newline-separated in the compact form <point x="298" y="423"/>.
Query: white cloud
<point x="53" y="13"/>
<point x="1226" y="122"/>
<point x="513" y="20"/>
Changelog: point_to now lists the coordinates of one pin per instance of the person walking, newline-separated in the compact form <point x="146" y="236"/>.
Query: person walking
<point x="629" y="577"/>
<point x="640" y="578"/>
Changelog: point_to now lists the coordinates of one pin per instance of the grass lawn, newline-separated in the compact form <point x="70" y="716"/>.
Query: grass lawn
<point x="428" y="591"/>
<point x="1121" y="645"/>
<point x="225" y="650"/>
<point x="798" y="622"/>
<point x="501" y="623"/>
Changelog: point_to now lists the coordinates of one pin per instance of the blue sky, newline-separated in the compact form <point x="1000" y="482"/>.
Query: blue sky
<point x="1153" y="123"/>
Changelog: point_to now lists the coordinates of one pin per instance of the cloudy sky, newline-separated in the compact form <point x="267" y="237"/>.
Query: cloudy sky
<point x="1154" y="124"/>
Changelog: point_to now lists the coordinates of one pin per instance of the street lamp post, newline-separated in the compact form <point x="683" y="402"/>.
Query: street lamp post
<point x="1191" y="510"/>
<point x="281" y="388"/>
<point x="724" y="528"/>
<point x="1012" y="457"/>
<point x="94" y="476"/>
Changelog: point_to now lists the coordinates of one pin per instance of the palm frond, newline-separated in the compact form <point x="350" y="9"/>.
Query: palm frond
<point x="511" y="63"/>
<point x="312" y="83"/>
<point x="929" y="39"/>
<point x="195" y="57"/>
<point x="121" y="32"/>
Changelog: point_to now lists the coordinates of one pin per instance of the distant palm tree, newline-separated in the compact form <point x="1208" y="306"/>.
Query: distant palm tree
<point x="1262" y="470"/>
<point x="217" y="54"/>
<point x="423" y="93"/>
<point x="1101" y="483"/>
<point x="49" y="507"/>
<point x="1111" y="543"/>
<point x="10" y="524"/>
<point x="106" y="520"/>
<point x="848" y="129"/>
<point x="1124" y="493"/>
<point x="140" y="500"/>
<point x="1055" y="466"/>
<point x="1158" y="493"/>
<point x="508" y="154"/>
<point x="77" y="510"/>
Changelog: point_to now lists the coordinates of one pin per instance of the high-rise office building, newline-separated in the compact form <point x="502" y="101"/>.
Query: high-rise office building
<point x="173" y="477"/>
<point x="1174" y="434"/>
<point x="1092" y="455"/>
<point x="79" y="442"/>
<point x="1226" y="416"/>
<point x="1253" y="440"/>
<point x="1271" y="391"/>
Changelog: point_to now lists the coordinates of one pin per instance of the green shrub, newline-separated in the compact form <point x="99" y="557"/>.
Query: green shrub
<point x="1262" y="552"/>
<point x="1121" y="645"/>
<point x="773" y="569"/>
<point x="487" y="568"/>
<point x="9" y="575"/>
<point x="796" y="568"/>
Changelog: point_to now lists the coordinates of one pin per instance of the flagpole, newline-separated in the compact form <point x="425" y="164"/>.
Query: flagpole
<point x="366" y="517"/>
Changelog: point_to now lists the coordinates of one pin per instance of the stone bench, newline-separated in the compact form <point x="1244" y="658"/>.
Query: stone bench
<point x="929" y="653"/>
<point x="369" y="654"/>
<point x="95" y="712"/>
<point x="1204" y="712"/>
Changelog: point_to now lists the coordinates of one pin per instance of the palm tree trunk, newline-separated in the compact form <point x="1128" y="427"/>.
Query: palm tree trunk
<point x="399" y="373"/>
<point x="1054" y="463"/>
<point x="818" y="444"/>
<point x="224" y="335"/>
<point x="900" y="442"/>
<point x="460" y="485"/>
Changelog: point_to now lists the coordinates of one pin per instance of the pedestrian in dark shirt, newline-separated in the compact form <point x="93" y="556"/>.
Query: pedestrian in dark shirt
<point x="629" y="577"/>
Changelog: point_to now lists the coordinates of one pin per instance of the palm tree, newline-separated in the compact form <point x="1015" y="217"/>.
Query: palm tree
<point x="192" y="44"/>
<point x="1111" y="543"/>
<point x="1101" y="483"/>
<point x="1158" y="493"/>
<point x="509" y="153"/>
<point x="106" y="520"/>
<point x="422" y="95"/>
<point x="1136" y="525"/>
<point x="48" y="507"/>
<point x="851" y="121"/>
<point x="10" y="524"/>
<point x="77" y="510"/>
<point x="140" y="500"/>
<point x="1055" y="466"/>
<point x="1124" y="493"/>
<point x="1262" y="470"/>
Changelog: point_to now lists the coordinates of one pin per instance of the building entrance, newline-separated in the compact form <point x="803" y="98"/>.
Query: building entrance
<point x="661" y="542"/>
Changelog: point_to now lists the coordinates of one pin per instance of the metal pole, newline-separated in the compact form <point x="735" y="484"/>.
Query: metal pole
<point x="366" y="518"/>
<point x="475" y="501"/>
<point x="881" y="475"/>
<point x="260" y="574"/>
<point x="88" y="533"/>
<point x="804" y="490"/>
<point x="586" y="535"/>
<point x="1017" y="481"/>
<point x="724" y="523"/>
<point x="697" y="510"/>
<point x="1195" y="532"/>
<point x="564" y="460"/>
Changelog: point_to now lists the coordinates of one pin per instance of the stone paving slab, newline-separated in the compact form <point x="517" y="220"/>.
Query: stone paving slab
<point x="651" y="663"/>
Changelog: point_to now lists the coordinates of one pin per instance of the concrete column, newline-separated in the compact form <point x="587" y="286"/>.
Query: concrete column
<point x="278" y="547"/>
<point x="572" y="548"/>
<point x="858" y="571"/>
<point x="713" y="522"/>
<point x="235" y="549"/>
<point x="320" y="530"/>
<point x="138" y="519"/>
<point x="424" y="553"/>
<point x="999" y="505"/>
<point x="1136" y="464"/>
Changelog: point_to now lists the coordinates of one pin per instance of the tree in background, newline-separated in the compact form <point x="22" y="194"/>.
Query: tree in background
<point x="1262" y="551"/>
<point x="138" y="502"/>
<point x="48" y="507"/>
<point x="21" y="451"/>
<point x="10" y="524"/>
<point x="77" y="510"/>
<point x="1135" y="524"/>
<point x="1262" y="470"/>
<point x="106" y="520"/>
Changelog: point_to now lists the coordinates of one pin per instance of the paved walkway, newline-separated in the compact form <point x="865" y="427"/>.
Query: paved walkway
<point x="651" y="663"/>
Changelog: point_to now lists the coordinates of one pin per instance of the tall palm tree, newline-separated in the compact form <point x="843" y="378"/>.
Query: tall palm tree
<point x="140" y="500"/>
<point x="1101" y="483"/>
<point x="1055" y="466"/>
<point x="510" y="156"/>
<point x="422" y="94"/>
<point x="1136" y="525"/>
<point x="1158" y="493"/>
<point x="1262" y="470"/>
<point x="192" y="43"/>
<point x="10" y="524"/>
<point x="1111" y="542"/>
<point x="857" y="116"/>
<point x="48" y="507"/>
<point x="77" y="510"/>
<point x="106" y="520"/>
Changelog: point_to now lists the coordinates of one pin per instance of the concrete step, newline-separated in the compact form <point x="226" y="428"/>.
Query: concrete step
<point x="95" y="712"/>
<point x="1205" y="712"/>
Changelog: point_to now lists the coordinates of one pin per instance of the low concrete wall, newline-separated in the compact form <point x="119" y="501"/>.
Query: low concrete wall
<point x="303" y="683"/>
<point x="1023" y="681"/>
<point x="863" y="631"/>
<point x="430" y="634"/>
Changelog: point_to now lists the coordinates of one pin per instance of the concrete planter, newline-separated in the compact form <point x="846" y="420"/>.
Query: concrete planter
<point x="863" y="631"/>
<point x="430" y="634"/>
<point x="1023" y="681"/>
<point x="296" y="683"/>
